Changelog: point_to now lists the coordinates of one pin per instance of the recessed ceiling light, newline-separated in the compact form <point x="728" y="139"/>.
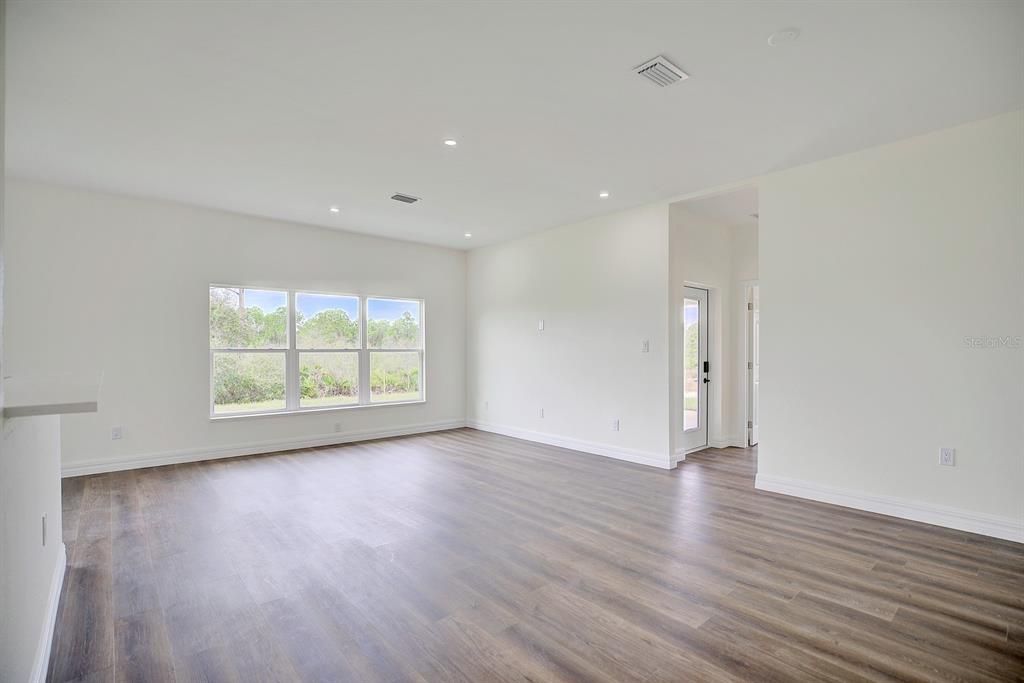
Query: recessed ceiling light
<point x="781" y="37"/>
<point x="335" y="209"/>
<point x="468" y="235"/>
<point x="450" y="142"/>
<point x="603" y="195"/>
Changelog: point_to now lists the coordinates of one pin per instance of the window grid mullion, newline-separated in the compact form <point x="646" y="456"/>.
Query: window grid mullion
<point x="364" y="353"/>
<point x="291" y="382"/>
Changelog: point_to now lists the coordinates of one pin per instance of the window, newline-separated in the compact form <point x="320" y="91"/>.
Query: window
<point x="284" y="351"/>
<point x="395" y="337"/>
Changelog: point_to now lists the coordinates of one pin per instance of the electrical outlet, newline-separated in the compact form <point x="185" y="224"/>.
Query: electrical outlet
<point x="540" y="325"/>
<point x="115" y="433"/>
<point x="947" y="456"/>
<point x="337" y="427"/>
<point x="615" y="425"/>
<point x="541" y="412"/>
<point x="645" y="346"/>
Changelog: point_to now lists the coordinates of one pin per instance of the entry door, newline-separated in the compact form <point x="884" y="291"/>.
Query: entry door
<point x="695" y="368"/>
<point x="753" y="363"/>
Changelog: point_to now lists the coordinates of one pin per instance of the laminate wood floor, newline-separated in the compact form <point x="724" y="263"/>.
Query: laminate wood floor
<point x="466" y="556"/>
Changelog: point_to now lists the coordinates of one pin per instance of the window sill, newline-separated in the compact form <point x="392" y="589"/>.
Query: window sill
<point x="308" y="411"/>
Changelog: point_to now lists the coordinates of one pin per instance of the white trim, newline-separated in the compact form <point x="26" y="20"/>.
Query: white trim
<point x="929" y="513"/>
<point x="680" y="454"/>
<point x="649" y="458"/>
<point x="252" y="448"/>
<point x="42" y="662"/>
<point x="315" y="409"/>
<point x="726" y="442"/>
<point x="745" y="319"/>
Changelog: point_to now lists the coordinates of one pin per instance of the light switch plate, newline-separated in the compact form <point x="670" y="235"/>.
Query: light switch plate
<point x="947" y="456"/>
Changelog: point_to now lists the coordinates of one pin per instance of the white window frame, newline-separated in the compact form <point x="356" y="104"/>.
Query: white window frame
<point x="364" y="315"/>
<point x="291" y="353"/>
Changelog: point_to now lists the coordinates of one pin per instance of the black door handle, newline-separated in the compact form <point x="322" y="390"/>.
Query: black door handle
<point x="706" y="380"/>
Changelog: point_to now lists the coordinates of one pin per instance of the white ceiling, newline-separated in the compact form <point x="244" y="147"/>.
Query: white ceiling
<point x="282" y="109"/>
<point x="737" y="207"/>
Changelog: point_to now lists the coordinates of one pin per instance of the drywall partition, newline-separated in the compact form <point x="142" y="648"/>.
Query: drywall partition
<point x="892" y="299"/>
<point x="33" y="572"/>
<point x="599" y="290"/>
<point x="104" y="283"/>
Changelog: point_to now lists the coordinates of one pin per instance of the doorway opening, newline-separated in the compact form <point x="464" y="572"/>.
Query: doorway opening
<point x="715" y="376"/>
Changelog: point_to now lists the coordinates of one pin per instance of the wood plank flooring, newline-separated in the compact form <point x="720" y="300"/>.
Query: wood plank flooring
<point x="470" y="557"/>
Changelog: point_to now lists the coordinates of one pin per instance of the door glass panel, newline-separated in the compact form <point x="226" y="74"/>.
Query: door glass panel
<point x="691" y="358"/>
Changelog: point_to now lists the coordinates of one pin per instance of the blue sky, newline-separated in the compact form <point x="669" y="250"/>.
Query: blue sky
<point x="311" y="304"/>
<point x="390" y="309"/>
<point x="690" y="315"/>
<point x="267" y="301"/>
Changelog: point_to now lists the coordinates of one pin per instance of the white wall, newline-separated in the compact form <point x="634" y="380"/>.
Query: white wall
<point x="30" y="573"/>
<point x="875" y="267"/>
<point x="600" y="287"/>
<point x="744" y="253"/>
<point x="719" y="257"/>
<point x="99" y="282"/>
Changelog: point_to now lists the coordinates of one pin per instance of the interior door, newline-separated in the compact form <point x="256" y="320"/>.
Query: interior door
<point x="753" y="363"/>
<point x="695" y="368"/>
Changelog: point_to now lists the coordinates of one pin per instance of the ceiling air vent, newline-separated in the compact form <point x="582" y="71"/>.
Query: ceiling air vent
<point x="407" y="199"/>
<point x="661" y="72"/>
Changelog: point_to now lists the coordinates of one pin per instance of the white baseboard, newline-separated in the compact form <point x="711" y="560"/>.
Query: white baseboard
<point x="648" y="458"/>
<point x="727" y="442"/>
<point x="681" y="453"/>
<point x="929" y="513"/>
<point x="42" y="661"/>
<point x="252" y="448"/>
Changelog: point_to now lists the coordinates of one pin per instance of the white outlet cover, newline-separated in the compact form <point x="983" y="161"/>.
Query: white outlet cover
<point x="645" y="347"/>
<point x="115" y="433"/>
<point x="540" y="325"/>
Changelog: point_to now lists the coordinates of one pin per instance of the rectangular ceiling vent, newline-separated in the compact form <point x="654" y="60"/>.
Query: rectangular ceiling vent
<point x="661" y="72"/>
<point x="406" y="198"/>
